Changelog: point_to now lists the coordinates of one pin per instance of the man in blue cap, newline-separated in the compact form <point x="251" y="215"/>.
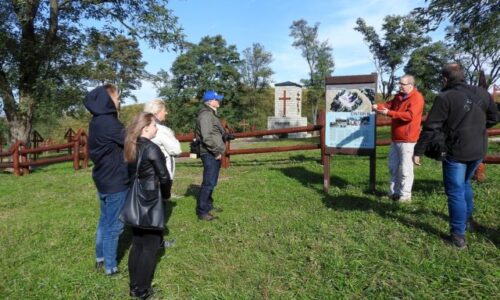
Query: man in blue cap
<point x="210" y="132"/>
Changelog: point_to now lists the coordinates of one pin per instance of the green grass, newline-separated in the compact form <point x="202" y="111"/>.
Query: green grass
<point x="279" y="237"/>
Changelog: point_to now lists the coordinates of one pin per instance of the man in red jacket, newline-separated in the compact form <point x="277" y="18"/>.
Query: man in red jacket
<point x="406" y="110"/>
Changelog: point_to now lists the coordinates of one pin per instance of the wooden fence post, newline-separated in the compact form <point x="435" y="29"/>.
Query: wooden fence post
<point x="69" y="137"/>
<point x="36" y="139"/>
<point x="76" y="152"/>
<point x="226" y="159"/>
<point x="15" y="158"/>
<point x="24" y="160"/>
<point x="85" y="151"/>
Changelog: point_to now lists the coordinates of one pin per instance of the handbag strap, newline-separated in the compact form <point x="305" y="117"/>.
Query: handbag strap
<point x="470" y="101"/>
<point x="139" y="159"/>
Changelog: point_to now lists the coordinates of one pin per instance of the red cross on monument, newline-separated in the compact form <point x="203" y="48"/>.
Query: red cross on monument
<point x="284" y="98"/>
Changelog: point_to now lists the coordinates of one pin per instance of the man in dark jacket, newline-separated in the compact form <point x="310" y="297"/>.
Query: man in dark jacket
<point x="211" y="134"/>
<point x="110" y="174"/>
<point x="463" y="113"/>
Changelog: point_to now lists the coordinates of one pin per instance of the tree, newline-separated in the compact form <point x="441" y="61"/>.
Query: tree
<point x="255" y="70"/>
<point x="116" y="60"/>
<point x="256" y="76"/>
<point x="483" y="15"/>
<point x="425" y="64"/>
<point x="4" y="132"/>
<point x="401" y="35"/>
<point x="318" y="55"/>
<point x="41" y="46"/>
<point x="476" y="52"/>
<point x="211" y="64"/>
<point x="474" y="33"/>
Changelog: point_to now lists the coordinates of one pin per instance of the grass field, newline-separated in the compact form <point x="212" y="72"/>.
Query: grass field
<point x="279" y="237"/>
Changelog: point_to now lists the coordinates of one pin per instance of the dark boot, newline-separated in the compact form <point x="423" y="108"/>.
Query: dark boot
<point x="458" y="240"/>
<point x="141" y="294"/>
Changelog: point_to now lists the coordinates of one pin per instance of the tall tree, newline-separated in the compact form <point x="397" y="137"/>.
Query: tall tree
<point x="401" y="35"/>
<point x="476" y="52"/>
<point x="483" y="15"/>
<point x="256" y="76"/>
<point x="116" y="60"/>
<point x="255" y="69"/>
<point x="474" y="32"/>
<point x="319" y="57"/>
<point x="425" y="65"/>
<point x="211" y="64"/>
<point x="41" y="46"/>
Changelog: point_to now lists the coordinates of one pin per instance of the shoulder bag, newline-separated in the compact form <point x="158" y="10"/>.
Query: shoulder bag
<point x="143" y="208"/>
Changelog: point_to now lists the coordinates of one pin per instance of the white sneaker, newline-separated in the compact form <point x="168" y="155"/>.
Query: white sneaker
<point x="404" y="199"/>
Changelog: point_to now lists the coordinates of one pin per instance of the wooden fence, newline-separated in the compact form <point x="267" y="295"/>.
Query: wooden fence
<point x="381" y="122"/>
<point x="78" y="150"/>
<point x="21" y="163"/>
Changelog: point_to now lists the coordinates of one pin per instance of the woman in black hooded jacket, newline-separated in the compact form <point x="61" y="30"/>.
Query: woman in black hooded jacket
<point x="154" y="178"/>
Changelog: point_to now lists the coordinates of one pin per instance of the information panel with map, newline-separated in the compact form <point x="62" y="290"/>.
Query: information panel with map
<point x="350" y="122"/>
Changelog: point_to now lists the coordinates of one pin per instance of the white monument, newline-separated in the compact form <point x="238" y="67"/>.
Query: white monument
<point x="287" y="108"/>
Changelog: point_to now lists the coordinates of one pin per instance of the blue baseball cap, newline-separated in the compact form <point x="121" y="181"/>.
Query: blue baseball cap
<point x="211" y="95"/>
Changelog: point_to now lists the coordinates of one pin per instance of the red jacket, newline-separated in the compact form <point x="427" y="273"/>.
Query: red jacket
<point x="406" y="116"/>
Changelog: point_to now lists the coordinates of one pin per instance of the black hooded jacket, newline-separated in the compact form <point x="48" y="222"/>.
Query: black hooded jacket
<point x="465" y="123"/>
<point x="106" y="139"/>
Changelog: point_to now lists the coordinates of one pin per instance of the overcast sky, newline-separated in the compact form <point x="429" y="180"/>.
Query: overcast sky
<point x="244" y="22"/>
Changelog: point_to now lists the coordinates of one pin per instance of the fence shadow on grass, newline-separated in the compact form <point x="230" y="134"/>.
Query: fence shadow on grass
<point x="388" y="210"/>
<point x="428" y="186"/>
<point x="405" y="214"/>
<point x="391" y="211"/>
<point x="308" y="178"/>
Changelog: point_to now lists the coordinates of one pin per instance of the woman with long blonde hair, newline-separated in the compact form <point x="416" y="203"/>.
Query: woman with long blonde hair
<point x="147" y="164"/>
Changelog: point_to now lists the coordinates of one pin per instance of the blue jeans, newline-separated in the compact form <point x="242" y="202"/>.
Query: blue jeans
<point x="457" y="185"/>
<point x="211" y="168"/>
<point x="109" y="228"/>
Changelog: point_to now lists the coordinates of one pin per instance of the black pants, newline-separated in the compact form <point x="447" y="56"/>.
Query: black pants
<point x="142" y="257"/>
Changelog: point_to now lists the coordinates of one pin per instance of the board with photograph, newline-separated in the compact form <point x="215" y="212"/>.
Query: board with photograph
<point x="350" y="121"/>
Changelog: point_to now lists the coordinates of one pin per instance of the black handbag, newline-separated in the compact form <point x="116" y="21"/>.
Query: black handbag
<point x="143" y="209"/>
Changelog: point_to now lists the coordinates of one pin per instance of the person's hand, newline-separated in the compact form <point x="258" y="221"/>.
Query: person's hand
<point x="374" y="106"/>
<point x="384" y="111"/>
<point x="218" y="157"/>
<point x="416" y="160"/>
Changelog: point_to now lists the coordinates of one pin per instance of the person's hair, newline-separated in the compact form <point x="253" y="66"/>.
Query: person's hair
<point x="110" y="87"/>
<point x="410" y="78"/>
<point x="134" y="130"/>
<point x="154" y="106"/>
<point x="453" y="72"/>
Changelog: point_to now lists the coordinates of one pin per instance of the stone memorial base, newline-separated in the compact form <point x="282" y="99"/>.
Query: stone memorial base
<point x="288" y="122"/>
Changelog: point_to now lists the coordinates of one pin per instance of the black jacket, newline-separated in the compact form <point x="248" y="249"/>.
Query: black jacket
<point x="451" y="110"/>
<point x="153" y="173"/>
<point x="106" y="137"/>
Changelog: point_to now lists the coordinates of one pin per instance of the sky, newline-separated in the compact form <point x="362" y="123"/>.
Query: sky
<point x="244" y="22"/>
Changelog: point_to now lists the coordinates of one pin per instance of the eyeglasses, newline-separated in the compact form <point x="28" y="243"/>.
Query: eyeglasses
<point x="400" y="83"/>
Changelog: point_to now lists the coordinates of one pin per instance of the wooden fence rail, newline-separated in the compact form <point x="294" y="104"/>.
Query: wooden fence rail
<point x="381" y="122"/>
<point x="21" y="164"/>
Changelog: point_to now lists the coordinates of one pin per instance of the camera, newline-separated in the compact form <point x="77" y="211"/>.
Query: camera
<point x="195" y="148"/>
<point x="228" y="137"/>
